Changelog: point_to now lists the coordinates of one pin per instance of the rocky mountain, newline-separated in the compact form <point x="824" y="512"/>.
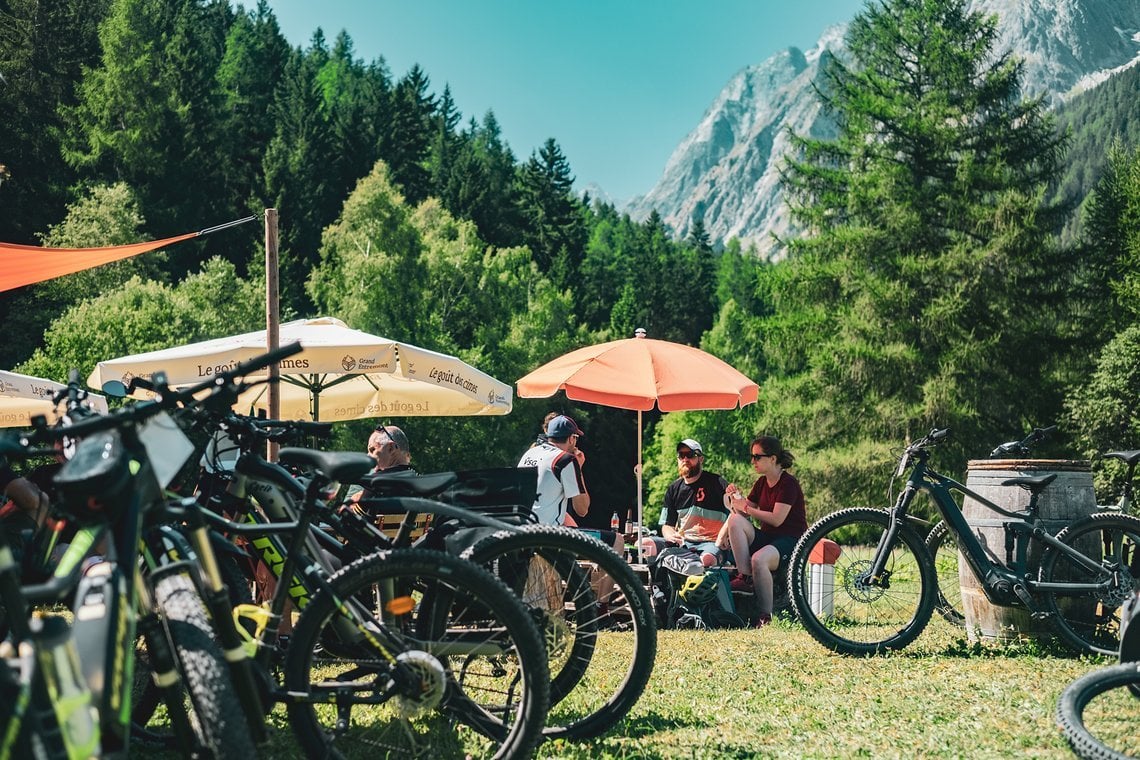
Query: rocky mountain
<point x="726" y="169"/>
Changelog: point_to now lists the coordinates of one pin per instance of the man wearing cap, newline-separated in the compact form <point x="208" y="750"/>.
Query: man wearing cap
<point x="561" y="488"/>
<point x="695" y="508"/>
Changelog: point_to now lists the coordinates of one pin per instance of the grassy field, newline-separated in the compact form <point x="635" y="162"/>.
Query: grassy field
<point x="776" y="693"/>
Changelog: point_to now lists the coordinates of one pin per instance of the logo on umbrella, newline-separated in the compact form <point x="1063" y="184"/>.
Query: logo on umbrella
<point x="348" y="363"/>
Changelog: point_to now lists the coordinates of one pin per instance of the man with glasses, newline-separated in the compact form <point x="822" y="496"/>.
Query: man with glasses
<point x="695" y="507"/>
<point x="561" y="487"/>
<point x="390" y="448"/>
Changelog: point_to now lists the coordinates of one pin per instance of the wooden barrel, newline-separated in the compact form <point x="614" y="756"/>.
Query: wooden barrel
<point x="1067" y="498"/>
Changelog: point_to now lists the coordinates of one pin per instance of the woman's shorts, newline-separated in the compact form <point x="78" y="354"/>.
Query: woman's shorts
<point x="783" y="544"/>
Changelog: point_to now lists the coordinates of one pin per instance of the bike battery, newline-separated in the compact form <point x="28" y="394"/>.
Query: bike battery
<point x="104" y="631"/>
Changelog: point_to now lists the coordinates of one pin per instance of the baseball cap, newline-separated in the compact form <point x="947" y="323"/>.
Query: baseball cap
<point x="562" y="427"/>
<point x="692" y="445"/>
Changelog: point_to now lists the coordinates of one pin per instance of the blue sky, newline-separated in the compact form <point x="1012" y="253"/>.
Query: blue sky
<point x="617" y="83"/>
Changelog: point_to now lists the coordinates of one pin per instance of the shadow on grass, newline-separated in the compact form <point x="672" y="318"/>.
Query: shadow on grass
<point x="647" y="724"/>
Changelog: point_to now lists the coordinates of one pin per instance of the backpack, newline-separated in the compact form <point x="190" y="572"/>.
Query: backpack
<point x="687" y="595"/>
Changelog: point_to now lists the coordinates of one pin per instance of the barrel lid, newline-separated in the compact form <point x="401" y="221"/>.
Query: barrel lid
<point x="1054" y="465"/>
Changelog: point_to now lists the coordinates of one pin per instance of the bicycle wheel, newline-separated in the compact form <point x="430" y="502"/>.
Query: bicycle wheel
<point x="839" y="604"/>
<point x="600" y="658"/>
<point x="1097" y="713"/>
<point x="943" y="547"/>
<point x="1090" y="620"/>
<point x="467" y="679"/>
<point x="216" y="715"/>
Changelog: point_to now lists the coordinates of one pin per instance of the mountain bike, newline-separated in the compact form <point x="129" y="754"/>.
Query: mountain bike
<point x="403" y="651"/>
<point x="111" y="486"/>
<point x="882" y="588"/>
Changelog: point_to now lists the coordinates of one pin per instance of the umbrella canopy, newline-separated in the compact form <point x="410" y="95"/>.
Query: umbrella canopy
<point x="342" y="374"/>
<point x="639" y="373"/>
<point x="23" y="396"/>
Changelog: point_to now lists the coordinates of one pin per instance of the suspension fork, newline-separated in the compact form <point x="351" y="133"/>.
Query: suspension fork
<point x="897" y="517"/>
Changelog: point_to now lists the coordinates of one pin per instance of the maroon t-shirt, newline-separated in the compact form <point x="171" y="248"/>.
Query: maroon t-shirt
<point x="786" y="491"/>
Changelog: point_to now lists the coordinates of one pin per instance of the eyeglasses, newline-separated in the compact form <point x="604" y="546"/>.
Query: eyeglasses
<point x="761" y="456"/>
<point x="687" y="455"/>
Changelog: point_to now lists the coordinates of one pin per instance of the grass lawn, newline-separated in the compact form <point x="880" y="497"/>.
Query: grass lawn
<point x="776" y="693"/>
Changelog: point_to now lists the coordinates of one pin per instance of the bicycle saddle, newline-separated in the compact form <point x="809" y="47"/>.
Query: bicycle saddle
<point x="1128" y="457"/>
<point x="1032" y="484"/>
<point x="344" y="466"/>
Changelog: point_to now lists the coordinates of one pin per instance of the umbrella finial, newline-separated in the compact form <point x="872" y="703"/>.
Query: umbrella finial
<point x="639" y="332"/>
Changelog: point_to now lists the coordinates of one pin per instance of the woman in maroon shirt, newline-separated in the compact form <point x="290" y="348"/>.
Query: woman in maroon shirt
<point x="776" y="503"/>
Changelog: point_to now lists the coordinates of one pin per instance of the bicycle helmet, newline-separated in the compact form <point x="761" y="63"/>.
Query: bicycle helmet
<point x="699" y="590"/>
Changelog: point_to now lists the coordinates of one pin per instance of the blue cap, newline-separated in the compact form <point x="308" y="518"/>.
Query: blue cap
<point x="562" y="427"/>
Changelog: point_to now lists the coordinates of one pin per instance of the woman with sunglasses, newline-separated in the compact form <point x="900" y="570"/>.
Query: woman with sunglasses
<point x="764" y="526"/>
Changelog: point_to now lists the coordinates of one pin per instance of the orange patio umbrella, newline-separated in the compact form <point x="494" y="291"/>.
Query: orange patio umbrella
<point x="640" y="373"/>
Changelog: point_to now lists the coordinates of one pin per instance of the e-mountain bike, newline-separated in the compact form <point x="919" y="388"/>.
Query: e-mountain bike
<point x="879" y="591"/>
<point x="407" y="652"/>
<point x="75" y="682"/>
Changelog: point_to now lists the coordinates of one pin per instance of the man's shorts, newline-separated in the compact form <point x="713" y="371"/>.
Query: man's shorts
<point x="701" y="547"/>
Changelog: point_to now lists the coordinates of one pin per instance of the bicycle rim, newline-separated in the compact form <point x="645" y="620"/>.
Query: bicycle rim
<point x="472" y="679"/>
<point x="943" y="548"/>
<point x="600" y="659"/>
<point x="1090" y="620"/>
<point x="834" y="598"/>
<point x="1097" y="713"/>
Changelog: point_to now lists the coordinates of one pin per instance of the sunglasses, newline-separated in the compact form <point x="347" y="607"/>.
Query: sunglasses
<point x="761" y="456"/>
<point x="687" y="455"/>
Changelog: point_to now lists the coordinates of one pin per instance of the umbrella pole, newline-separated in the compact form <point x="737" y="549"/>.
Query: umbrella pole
<point x="637" y="533"/>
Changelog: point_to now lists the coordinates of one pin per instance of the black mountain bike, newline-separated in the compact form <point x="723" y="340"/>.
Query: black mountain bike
<point x="407" y="653"/>
<point x="881" y="589"/>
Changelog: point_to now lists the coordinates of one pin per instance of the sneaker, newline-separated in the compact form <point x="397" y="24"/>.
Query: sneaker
<point x="742" y="583"/>
<point x="763" y="621"/>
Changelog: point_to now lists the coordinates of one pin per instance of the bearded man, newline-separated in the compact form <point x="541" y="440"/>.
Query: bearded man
<point x="695" y="507"/>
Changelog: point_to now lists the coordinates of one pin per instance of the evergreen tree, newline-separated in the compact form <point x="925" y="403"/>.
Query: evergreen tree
<point x="249" y="73"/>
<point x="553" y="227"/>
<point x="927" y="292"/>
<point x="406" y="139"/>
<point x="149" y="115"/>
<point x="43" y="48"/>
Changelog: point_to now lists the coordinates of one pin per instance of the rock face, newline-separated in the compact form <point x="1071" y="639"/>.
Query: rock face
<point x="726" y="170"/>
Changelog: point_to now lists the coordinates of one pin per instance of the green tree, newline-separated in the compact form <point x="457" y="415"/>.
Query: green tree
<point x="149" y="115"/>
<point x="552" y="222"/>
<point x="43" y="48"/>
<point x="406" y="138"/>
<point x="927" y="290"/>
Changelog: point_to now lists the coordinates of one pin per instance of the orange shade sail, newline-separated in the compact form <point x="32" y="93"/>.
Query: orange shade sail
<point x="28" y="264"/>
<point x="636" y="373"/>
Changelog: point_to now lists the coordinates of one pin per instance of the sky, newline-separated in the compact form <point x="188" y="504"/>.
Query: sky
<point x="617" y="83"/>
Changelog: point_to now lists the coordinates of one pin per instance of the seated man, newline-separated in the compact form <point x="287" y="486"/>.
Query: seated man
<point x="695" y="509"/>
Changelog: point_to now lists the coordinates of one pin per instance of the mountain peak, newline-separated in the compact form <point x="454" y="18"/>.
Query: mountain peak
<point x="726" y="170"/>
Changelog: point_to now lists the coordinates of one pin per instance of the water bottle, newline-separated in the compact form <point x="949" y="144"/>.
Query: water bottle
<point x="615" y="523"/>
<point x="55" y="650"/>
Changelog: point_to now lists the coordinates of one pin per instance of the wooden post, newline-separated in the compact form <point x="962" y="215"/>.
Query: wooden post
<point x="272" y="318"/>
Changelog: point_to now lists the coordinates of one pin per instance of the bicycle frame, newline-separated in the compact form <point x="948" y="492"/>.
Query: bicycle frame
<point x="1004" y="585"/>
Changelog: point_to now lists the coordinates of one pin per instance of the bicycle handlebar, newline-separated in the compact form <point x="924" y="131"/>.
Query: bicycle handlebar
<point x="1024" y="446"/>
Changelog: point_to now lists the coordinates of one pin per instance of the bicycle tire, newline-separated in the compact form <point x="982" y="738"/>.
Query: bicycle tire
<point x="850" y="616"/>
<point x="943" y="548"/>
<point x="1090" y="622"/>
<point x="217" y="716"/>
<point x="434" y="588"/>
<point x="564" y="549"/>
<point x="1101" y="729"/>
<point x="147" y="696"/>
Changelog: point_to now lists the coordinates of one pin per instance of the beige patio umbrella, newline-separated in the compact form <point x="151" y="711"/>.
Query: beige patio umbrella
<point x="342" y="374"/>
<point x="23" y="396"/>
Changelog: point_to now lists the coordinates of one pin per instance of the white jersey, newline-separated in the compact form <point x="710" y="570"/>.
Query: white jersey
<point x="559" y="480"/>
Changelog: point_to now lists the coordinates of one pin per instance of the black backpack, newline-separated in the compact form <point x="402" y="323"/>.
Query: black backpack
<point x="687" y="595"/>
